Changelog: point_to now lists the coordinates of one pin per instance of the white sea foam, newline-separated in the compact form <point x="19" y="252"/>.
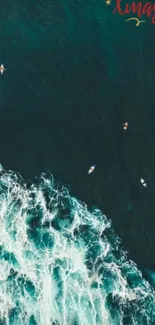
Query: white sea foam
<point x="61" y="264"/>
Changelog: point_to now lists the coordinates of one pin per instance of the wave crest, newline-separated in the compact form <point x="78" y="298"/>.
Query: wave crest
<point x="61" y="264"/>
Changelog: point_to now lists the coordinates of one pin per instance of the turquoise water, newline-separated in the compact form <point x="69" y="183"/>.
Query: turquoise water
<point x="62" y="264"/>
<point x="74" y="73"/>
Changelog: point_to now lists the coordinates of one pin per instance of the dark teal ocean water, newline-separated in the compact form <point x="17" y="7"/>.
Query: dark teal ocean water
<point x="74" y="73"/>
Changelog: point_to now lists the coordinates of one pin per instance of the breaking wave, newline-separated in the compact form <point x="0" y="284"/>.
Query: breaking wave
<point x="62" y="264"/>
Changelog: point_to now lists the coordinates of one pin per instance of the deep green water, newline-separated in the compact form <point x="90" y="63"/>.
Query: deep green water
<point x="74" y="73"/>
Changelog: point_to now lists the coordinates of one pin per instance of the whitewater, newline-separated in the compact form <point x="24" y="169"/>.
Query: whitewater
<point x="61" y="264"/>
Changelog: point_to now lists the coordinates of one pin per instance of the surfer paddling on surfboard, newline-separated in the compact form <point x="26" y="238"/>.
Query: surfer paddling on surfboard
<point x="2" y="69"/>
